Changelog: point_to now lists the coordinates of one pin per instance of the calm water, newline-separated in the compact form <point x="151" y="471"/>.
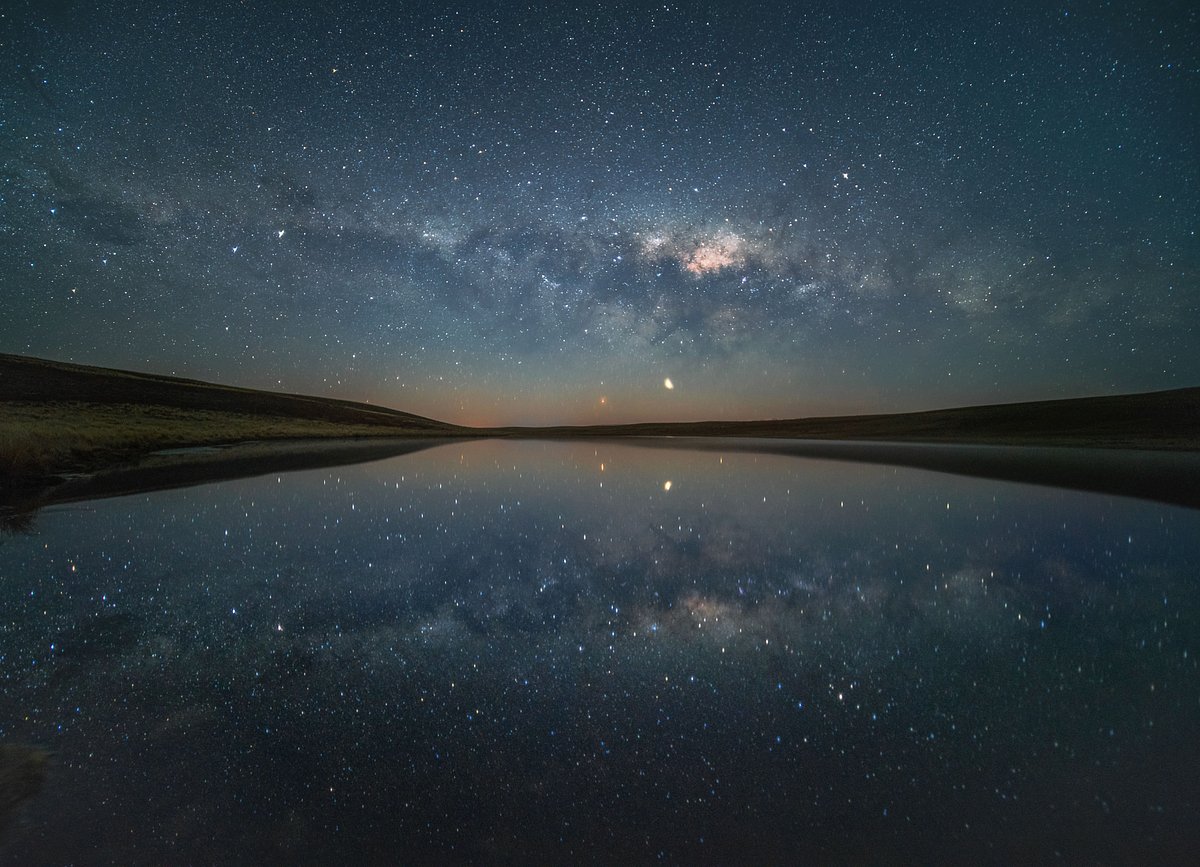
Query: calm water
<point x="497" y="651"/>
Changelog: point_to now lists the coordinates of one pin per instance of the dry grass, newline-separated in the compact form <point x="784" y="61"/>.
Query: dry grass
<point x="37" y="440"/>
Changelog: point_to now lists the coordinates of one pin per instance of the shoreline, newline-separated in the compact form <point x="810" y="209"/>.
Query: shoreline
<point x="1162" y="475"/>
<point x="67" y="429"/>
<point x="42" y="443"/>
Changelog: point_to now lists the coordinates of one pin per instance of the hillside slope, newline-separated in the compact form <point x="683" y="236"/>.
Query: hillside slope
<point x="1161" y="419"/>
<point x="36" y="380"/>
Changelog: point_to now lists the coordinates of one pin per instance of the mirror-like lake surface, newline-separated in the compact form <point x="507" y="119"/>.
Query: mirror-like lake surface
<point x="596" y="651"/>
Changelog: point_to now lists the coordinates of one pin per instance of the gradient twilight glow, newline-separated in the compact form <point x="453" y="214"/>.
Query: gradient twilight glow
<point x="502" y="212"/>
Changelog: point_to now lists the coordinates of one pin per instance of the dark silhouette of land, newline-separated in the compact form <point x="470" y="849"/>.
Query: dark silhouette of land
<point x="70" y="432"/>
<point x="1153" y="420"/>
<point x="35" y="380"/>
<point x="61" y="419"/>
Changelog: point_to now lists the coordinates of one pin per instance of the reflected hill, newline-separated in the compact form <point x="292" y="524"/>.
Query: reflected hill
<point x="71" y="432"/>
<point x="1160" y="475"/>
<point x="186" y="467"/>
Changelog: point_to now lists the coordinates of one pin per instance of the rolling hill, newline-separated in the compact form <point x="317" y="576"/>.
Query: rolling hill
<point x="60" y="419"/>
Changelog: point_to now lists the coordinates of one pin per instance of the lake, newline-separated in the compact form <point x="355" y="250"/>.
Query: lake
<point x="599" y="651"/>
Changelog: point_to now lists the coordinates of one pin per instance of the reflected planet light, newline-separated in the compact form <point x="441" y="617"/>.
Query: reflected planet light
<point x="476" y="648"/>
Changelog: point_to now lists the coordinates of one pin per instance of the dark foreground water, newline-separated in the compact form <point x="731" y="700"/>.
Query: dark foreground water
<point x="597" y="652"/>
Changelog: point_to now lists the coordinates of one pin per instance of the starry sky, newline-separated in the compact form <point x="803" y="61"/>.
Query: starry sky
<point x="523" y="213"/>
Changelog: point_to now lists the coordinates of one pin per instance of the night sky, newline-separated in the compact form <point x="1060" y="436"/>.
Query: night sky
<point x="500" y="212"/>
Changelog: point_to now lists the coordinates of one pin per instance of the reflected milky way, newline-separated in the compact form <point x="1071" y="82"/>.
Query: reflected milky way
<point x="495" y="647"/>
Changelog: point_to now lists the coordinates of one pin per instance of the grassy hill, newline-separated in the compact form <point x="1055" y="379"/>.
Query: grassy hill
<point x="36" y="380"/>
<point x="58" y="418"/>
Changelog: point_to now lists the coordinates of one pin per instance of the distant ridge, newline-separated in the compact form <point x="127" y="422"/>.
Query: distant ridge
<point x="38" y="380"/>
<point x="1159" y="419"/>
<point x="1168" y="420"/>
<point x="69" y="432"/>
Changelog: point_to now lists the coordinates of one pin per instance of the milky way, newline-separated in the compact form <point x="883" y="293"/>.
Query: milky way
<point x="512" y="213"/>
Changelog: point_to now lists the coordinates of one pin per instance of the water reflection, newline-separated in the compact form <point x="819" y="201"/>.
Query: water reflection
<point x="500" y="650"/>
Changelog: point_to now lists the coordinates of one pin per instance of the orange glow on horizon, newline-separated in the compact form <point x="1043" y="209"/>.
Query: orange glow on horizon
<point x="649" y="401"/>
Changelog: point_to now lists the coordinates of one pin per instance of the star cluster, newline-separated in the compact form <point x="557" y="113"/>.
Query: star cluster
<point x="495" y="212"/>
